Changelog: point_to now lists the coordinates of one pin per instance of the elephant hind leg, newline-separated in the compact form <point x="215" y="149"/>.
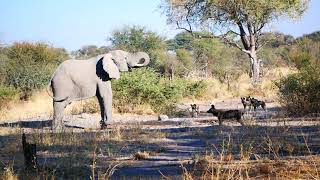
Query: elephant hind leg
<point x="58" y="108"/>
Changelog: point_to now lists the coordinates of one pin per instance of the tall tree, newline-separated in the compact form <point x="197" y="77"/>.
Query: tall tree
<point x="239" y="23"/>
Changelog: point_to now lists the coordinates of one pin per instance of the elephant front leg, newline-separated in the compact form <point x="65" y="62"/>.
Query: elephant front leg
<point x="58" y="112"/>
<point x="105" y="101"/>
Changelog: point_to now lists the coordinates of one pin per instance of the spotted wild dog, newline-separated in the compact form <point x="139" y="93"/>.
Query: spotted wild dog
<point x="246" y="102"/>
<point x="226" y="114"/>
<point x="194" y="110"/>
<point x="256" y="103"/>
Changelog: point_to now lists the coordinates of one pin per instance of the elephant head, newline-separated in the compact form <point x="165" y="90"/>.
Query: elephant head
<point x="118" y="61"/>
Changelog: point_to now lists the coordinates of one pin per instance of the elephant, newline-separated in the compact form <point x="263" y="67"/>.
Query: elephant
<point x="80" y="79"/>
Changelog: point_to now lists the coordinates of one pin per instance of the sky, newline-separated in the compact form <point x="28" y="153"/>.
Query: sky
<point x="72" y="24"/>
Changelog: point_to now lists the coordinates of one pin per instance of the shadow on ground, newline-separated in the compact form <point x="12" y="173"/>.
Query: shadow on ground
<point x="66" y="152"/>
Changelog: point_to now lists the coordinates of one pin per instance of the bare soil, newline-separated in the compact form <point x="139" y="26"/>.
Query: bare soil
<point x="170" y="148"/>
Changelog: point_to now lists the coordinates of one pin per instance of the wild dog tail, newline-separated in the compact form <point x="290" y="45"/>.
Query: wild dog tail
<point x="264" y="105"/>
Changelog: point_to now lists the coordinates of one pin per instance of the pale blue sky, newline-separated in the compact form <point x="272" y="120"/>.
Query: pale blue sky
<point x="74" y="23"/>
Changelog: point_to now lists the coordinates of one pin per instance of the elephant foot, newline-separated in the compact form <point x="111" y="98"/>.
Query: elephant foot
<point x="57" y="127"/>
<point x="103" y="125"/>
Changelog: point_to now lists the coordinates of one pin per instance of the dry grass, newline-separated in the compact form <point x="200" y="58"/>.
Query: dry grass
<point x="243" y="86"/>
<point x="40" y="104"/>
<point x="72" y="149"/>
<point x="8" y="174"/>
<point x="286" y="168"/>
<point x="235" y="153"/>
<point x="9" y="130"/>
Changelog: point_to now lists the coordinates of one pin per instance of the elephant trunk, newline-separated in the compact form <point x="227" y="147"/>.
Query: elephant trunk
<point x="140" y="59"/>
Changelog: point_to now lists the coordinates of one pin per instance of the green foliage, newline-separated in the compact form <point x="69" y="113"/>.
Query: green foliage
<point x="181" y="63"/>
<point x="236" y="20"/>
<point x="35" y="53"/>
<point x="299" y="92"/>
<point x="182" y="40"/>
<point x="276" y="39"/>
<point x="305" y="52"/>
<point x="7" y="94"/>
<point x="194" y="54"/>
<point x="90" y="51"/>
<point x="315" y="36"/>
<point x="27" y="79"/>
<point x="221" y="11"/>
<point x="135" y="38"/>
<point x="3" y="65"/>
<point x="145" y="86"/>
<point x="28" y="66"/>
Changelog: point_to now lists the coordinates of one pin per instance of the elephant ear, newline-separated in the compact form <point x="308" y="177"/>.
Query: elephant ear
<point x="110" y="67"/>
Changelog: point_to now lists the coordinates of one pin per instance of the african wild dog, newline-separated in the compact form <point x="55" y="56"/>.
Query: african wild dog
<point x="256" y="103"/>
<point x="194" y="110"/>
<point x="246" y="102"/>
<point x="226" y="114"/>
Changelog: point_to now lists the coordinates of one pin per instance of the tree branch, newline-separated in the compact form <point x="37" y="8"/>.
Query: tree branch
<point x="183" y="28"/>
<point x="259" y="28"/>
<point x="243" y="36"/>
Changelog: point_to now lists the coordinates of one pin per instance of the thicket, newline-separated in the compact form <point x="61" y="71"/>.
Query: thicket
<point x="299" y="93"/>
<point x="147" y="87"/>
<point x="26" y="67"/>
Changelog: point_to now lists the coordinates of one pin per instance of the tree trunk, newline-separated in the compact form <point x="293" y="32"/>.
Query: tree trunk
<point x="255" y="67"/>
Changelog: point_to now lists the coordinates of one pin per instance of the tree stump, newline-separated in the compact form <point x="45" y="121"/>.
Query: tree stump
<point x="30" y="153"/>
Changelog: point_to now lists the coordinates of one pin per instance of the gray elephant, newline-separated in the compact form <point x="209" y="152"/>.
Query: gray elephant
<point x="80" y="79"/>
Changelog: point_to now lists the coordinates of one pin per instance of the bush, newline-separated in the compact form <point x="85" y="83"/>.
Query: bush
<point x="7" y="94"/>
<point x="146" y="87"/>
<point x="28" y="66"/>
<point x="3" y="65"/>
<point x="299" y="92"/>
<point x="27" y="79"/>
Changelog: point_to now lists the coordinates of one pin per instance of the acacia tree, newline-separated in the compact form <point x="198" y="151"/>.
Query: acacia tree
<point x="238" y="23"/>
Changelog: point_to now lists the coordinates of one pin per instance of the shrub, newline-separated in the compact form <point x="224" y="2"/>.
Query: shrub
<point x="27" y="79"/>
<point x="3" y="64"/>
<point x="7" y="94"/>
<point x="146" y="87"/>
<point x="30" y="65"/>
<point x="35" y="53"/>
<point x="299" y="92"/>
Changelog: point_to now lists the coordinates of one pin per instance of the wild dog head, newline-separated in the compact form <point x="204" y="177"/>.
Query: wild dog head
<point x="194" y="110"/>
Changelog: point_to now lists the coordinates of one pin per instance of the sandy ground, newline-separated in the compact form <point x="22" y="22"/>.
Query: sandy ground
<point x="185" y="136"/>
